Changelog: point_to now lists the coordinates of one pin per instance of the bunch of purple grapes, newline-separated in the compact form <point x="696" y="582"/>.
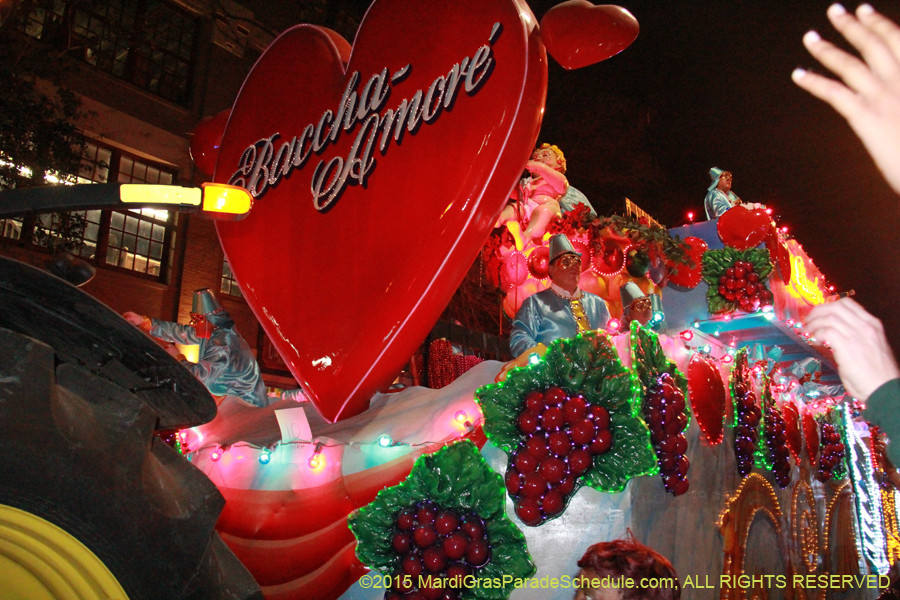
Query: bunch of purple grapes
<point x="664" y="412"/>
<point x="831" y="452"/>
<point x="746" y="433"/>
<point x="561" y="436"/>
<point x="776" y="439"/>
<point x="438" y="543"/>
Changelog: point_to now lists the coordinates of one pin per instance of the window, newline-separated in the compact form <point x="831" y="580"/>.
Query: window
<point x="138" y="240"/>
<point x="146" y="42"/>
<point x="229" y="283"/>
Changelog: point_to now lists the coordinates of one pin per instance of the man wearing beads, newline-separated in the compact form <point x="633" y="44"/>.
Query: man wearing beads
<point x="562" y="311"/>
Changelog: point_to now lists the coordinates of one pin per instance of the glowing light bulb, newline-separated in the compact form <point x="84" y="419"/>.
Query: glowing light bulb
<point x="265" y="456"/>
<point x="687" y="335"/>
<point x="613" y="325"/>
<point x="316" y="461"/>
<point x="534" y="358"/>
<point x="461" y="416"/>
<point x="768" y="211"/>
<point x="696" y="324"/>
<point x="705" y="349"/>
<point x="690" y="216"/>
<point x="385" y="440"/>
<point x="727" y="359"/>
<point x="789" y="322"/>
<point x="216" y="454"/>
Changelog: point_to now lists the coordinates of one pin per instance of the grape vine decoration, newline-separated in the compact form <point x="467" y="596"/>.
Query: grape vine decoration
<point x="444" y="524"/>
<point x="736" y="279"/>
<point x="566" y="421"/>
<point x="664" y="409"/>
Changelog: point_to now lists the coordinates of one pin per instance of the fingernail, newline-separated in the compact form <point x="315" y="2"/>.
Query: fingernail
<point x="865" y="9"/>
<point x="811" y="37"/>
<point x="836" y="10"/>
<point x="798" y="74"/>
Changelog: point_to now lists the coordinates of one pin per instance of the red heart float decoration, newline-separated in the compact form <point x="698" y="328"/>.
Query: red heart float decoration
<point x="707" y="392"/>
<point x="610" y="260"/>
<point x="811" y="433"/>
<point x="687" y="277"/>
<point x="206" y="140"/>
<point x="578" y="34"/>
<point x="780" y="255"/>
<point x="792" y="429"/>
<point x="743" y="229"/>
<point x="357" y="240"/>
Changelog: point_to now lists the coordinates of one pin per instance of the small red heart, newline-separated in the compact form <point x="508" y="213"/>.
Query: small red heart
<point x="707" y="392"/>
<point x="686" y="276"/>
<point x="347" y="293"/>
<point x="578" y="33"/>
<point x="206" y="140"/>
<point x="792" y="429"/>
<point x="743" y="229"/>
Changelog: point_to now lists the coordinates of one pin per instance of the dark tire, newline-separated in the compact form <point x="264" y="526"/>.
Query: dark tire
<point x="80" y="452"/>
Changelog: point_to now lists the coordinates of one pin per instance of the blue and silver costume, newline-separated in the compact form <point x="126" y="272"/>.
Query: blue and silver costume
<point x="546" y="316"/>
<point x="226" y="365"/>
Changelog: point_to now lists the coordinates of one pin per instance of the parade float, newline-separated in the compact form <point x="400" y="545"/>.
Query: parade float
<point x="714" y="429"/>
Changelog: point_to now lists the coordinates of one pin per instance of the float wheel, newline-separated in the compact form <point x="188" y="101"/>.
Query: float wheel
<point x="81" y="468"/>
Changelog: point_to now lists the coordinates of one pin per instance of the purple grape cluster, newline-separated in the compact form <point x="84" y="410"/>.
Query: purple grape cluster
<point x="776" y="439"/>
<point x="561" y="436"/>
<point x="436" y="542"/>
<point x="746" y="433"/>
<point x="830" y="453"/>
<point x="665" y="416"/>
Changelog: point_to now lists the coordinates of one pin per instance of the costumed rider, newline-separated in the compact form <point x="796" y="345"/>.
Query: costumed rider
<point x="226" y="365"/>
<point x="562" y="311"/>
<point x="637" y="306"/>
<point x="544" y="194"/>
<point x="720" y="198"/>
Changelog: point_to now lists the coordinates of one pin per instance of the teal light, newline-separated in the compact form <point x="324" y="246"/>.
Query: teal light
<point x="265" y="456"/>
<point x="385" y="440"/>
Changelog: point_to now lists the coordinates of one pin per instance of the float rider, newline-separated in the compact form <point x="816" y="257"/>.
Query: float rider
<point x="226" y="365"/>
<point x="561" y="311"/>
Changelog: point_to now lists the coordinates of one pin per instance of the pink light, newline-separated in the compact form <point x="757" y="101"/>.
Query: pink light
<point x="784" y="229"/>
<point x="215" y="455"/>
<point x="690" y="216"/>
<point x="789" y="322"/>
<point x="461" y="416"/>
<point x="687" y="335"/>
<point x="768" y="211"/>
<point x="613" y="325"/>
<point x="727" y="359"/>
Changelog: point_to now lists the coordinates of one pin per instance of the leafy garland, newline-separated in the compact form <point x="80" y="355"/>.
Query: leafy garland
<point x="457" y="478"/>
<point x="655" y="239"/>
<point x="588" y="365"/>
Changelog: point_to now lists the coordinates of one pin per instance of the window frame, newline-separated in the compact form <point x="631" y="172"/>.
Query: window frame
<point x="110" y="173"/>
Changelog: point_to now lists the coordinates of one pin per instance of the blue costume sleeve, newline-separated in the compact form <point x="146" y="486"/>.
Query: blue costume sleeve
<point x="717" y="203"/>
<point x="525" y="327"/>
<point x="174" y="332"/>
<point x="882" y="410"/>
<point x="211" y="366"/>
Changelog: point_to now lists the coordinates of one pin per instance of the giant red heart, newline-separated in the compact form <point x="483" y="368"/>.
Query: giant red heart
<point x="357" y="240"/>
<point x="707" y="392"/>
<point x="578" y="34"/>
<point x="744" y="229"/>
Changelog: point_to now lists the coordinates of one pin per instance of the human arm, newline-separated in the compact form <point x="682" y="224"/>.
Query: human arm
<point x="869" y="97"/>
<point x="174" y="332"/>
<point x="553" y="183"/>
<point x="861" y="350"/>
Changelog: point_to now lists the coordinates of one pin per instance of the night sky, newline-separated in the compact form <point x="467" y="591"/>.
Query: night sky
<point x="707" y="83"/>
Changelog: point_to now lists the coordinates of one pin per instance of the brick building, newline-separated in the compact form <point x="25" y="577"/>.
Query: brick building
<point x="148" y="72"/>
